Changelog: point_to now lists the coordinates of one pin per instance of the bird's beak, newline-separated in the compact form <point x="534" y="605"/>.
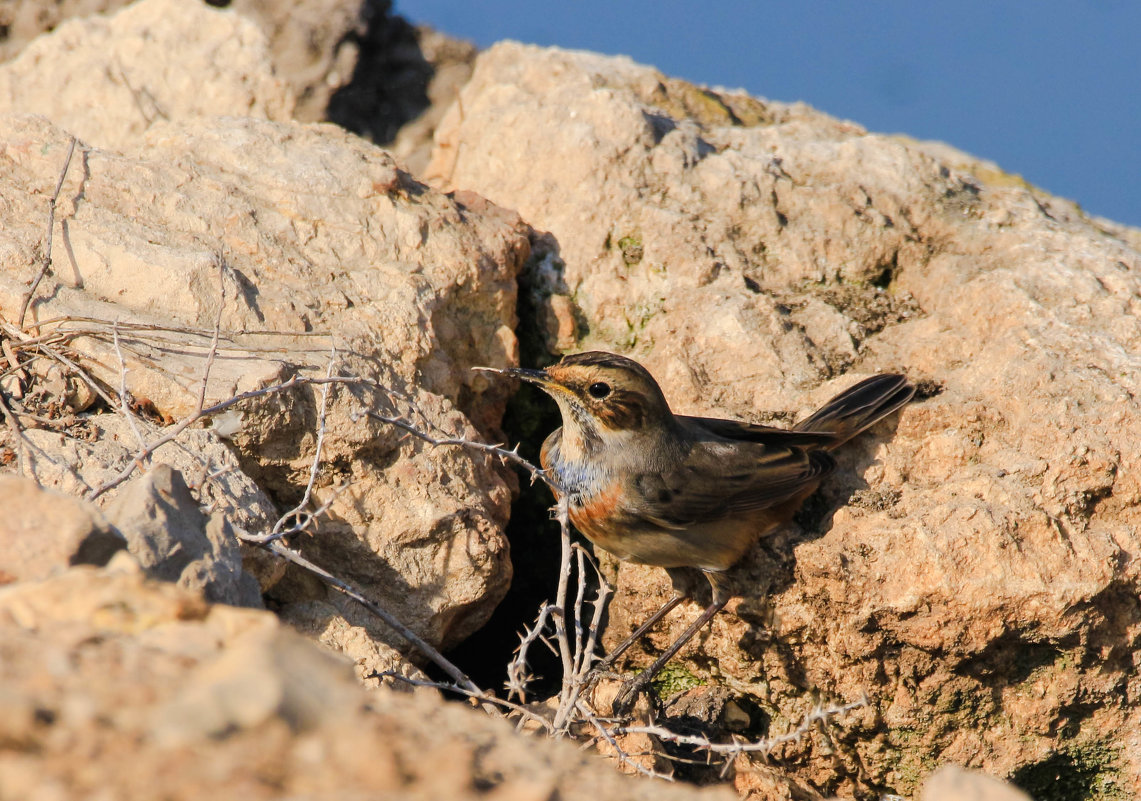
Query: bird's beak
<point x="538" y="377"/>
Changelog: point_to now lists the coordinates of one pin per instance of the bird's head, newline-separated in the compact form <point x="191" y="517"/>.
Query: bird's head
<point x="601" y="395"/>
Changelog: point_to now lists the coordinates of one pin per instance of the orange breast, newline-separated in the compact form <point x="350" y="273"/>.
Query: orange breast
<point x="598" y="516"/>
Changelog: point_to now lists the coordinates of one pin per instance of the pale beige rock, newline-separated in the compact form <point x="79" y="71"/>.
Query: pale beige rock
<point x="42" y="532"/>
<point x="308" y="39"/>
<point x="352" y="62"/>
<point x="757" y="257"/>
<point x="317" y="236"/>
<point x="270" y="673"/>
<point x="952" y="783"/>
<point x="108" y="79"/>
<point x="24" y="20"/>
<point x="94" y="451"/>
<point x="349" y="631"/>
<point x="450" y="63"/>
<point x="186" y="700"/>
<point x="174" y="541"/>
<point x="312" y="46"/>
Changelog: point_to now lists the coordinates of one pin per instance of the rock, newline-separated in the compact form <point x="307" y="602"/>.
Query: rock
<point x="308" y="239"/>
<point x="315" y="45"/>
<point x="189" y="699"/>
<point x="43" y="532"/>
<point x="980" y="586"/>
<point x="352" y="62"/>
<point x="450" y="62"/>
<point x="971" y="566"/>
<point x="108" y="79"/>
<point x="174" y="541"/>
<point x="24" y="20"/>
<point x="270" y="674"/>
<point x="92" y="451"/>
<point x="349" y="632"/>
<point x="952" y="783"/>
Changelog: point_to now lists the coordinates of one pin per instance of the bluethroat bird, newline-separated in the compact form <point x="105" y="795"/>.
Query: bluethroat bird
<point x="679" y="492"/>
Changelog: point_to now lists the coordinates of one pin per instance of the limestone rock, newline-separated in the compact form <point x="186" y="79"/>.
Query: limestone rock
<point x="349" y="631"/>
<point x="42" y="532"/>
<point x="24" y="20"/>
<point x="450" y="64"/>
<point x="352" y="62"/>
<point x="952" y="783"/>
<point x="305" y="239"/>
<point x="108" y="79"/>
<point x="973" y="565"/>
<point x="174" y="541"/>
<point x="189" y="700"/>
<point x="93" y="451"/>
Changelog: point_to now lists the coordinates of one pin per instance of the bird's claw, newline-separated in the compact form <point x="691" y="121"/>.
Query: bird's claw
<point x="628" y="696"/>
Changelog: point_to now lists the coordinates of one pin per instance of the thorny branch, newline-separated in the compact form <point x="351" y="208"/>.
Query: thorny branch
<point x="523" y="712"/>
<point x="298" y="512"/>
<point x="817" y="715"/>
<point x="518" y="673"/>
<point x="344" y="587"/>
<point x="562" y="716"/>
<point x="177" y="429"/>
<point x="620" y="754"/>
<point x="510" y="455"/>
<point x="577" y="652"/>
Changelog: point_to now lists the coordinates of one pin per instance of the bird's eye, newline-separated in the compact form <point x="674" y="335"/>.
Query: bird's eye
<point x="599" y="390"/>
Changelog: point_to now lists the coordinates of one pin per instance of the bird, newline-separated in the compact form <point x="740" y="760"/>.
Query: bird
<point x="680" y="492"/>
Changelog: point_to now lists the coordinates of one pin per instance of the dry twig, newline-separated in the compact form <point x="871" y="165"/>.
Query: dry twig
<point x="46" y="263"/>
<point x="819" y="714"/>
<point x="576" y="651"/>
<point x="523" y="712"/>
<point x="344" y="587"/>
<point x="20" y="441"/>
<point x="298" y="511"/>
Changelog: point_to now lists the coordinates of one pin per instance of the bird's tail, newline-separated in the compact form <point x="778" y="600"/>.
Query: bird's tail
<point x="859" y="407"/>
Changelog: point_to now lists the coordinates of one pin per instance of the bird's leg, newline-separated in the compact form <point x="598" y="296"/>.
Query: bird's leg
<point x="608" y="662"/>
<point x="629" y="692"/>
<point x="625" y="700"/>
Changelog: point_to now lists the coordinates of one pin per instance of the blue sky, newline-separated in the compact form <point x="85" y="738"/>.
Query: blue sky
<point x="1050" y="90"/>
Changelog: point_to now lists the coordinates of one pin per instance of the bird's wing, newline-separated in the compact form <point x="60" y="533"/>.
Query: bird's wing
<point x="765" y="435"/>
<point x="749" y="478"/>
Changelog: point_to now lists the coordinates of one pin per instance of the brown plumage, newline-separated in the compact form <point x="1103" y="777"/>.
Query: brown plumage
<point x="685" y="492"/>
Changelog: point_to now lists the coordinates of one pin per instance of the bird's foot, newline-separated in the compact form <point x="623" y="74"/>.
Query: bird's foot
<point x="628" y="695"/>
